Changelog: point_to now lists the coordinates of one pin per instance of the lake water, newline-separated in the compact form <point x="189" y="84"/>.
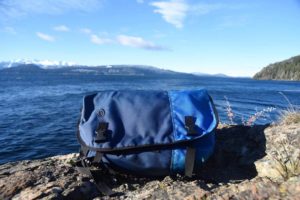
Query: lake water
<point x="38" y="113"/>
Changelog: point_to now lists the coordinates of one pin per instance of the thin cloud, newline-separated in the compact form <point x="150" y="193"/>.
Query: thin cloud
<point x="61" y="28"/>
<point x="97" y="39"/>
<point x="86" y="31"/>
<point x="173" y="11"/>
<point x="124" y="40"/>
<point x="176" y="11"/>
<point x="17" y="8"/>
<point x="158" y="34"/>
<point x="234" y="21"/>
<point x="138" y="42"/>
<point x="207" y="8"/>
<point x="9" y="30"/>
<point x="100" y="40"/>
<point x="45" y="37"/>
<point x="140" y="1"/>
<point x="204" y="8"/>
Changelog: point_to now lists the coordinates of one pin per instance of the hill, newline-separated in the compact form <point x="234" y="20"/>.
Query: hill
<point x="111" y="70"/>
<point x="211" y="75"/>
<point x="284" y="70"/>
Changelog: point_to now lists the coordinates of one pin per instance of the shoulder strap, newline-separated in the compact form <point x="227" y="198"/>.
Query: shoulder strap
<point x="84" y="166"/>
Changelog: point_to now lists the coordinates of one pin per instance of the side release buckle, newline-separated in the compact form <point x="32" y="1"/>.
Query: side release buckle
<point x="101" y="132"/>
<point x="190" y="125"/>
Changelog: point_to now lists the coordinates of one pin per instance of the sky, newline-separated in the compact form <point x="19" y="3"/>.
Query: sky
<point x="233" y="37"/>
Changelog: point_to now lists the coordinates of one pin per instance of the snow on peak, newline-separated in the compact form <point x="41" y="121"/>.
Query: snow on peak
<point x="41" y="63"/>
<point x="49" y="63"/>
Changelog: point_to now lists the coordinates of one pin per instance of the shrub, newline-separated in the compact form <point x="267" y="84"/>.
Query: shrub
<point x="250" y="121"/>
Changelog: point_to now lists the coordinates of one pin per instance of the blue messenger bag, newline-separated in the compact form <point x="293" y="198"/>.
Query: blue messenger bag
<point x="147" y="133"/>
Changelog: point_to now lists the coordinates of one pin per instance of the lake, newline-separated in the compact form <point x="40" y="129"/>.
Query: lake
<point x="39" y="112"/>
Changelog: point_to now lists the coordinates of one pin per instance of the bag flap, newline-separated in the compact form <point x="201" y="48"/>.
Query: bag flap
<point x="145" y="118"/>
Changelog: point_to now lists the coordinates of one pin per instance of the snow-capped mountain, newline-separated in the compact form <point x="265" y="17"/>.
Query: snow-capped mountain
<point x="41" y="63"/>
<point x="60" y="67"/>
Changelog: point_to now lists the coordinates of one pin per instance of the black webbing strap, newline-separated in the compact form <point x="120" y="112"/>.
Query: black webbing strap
<point x="97" y="158"/>
<point x="190" y="161"/>
<point x="190" y="151"/>
<point x="83" y="151"/>
<point x="84" y="168"/>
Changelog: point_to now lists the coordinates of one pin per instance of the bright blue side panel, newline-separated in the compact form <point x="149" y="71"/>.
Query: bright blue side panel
<point x="178" y="160"/>
<point x="194" y="103"/>
<point x="204" y="148"/>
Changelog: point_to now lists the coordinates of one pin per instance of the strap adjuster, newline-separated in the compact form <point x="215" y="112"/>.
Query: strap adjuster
<point x="101" y="132"/>
<point x="190" y="125"/>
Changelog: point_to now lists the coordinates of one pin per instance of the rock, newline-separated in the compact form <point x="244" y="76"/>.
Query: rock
<point x="283" y="153"/>
<point x="258" y="162"/>
<point x="56" y="190"/>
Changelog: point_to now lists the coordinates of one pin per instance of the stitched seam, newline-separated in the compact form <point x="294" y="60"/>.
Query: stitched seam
<point x="174" y="128"/>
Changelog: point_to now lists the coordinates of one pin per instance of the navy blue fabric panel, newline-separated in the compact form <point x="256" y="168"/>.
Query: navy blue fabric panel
<point x="135" y="118"/>
<point x="155" y="163"/>
<point x="88" y="107"/>
<point x="145" y="163"/>
<point x="87" y="132"/>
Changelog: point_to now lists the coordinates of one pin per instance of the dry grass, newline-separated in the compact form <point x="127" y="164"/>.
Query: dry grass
<point x="290" y="117"/>
<point x="288" y="164"/>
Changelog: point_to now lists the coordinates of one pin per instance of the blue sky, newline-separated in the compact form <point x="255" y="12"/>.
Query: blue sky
<point x="234" y="37"/>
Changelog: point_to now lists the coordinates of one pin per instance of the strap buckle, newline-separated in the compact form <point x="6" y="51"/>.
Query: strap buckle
<point x="190" y="125"/>
<point x="101" y="132"/>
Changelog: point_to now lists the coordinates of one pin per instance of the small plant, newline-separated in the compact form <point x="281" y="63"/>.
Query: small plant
<point x="291" y="115"/>
<point x="71" y="162"/>
<point x="288" y="117"/>
<point x="251" y="119"/>
<point x="289" y="165"/>
<point x="229" y="112"/>
<point x="259" y="114"/>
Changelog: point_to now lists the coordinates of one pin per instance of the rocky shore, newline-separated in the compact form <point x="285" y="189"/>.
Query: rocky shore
<point x="259" y="162"/>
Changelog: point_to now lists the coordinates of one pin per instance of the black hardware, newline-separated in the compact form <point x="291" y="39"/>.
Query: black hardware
<point x="190" y="125"/>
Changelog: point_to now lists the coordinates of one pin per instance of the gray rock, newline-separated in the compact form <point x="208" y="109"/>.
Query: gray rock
<point x="283" y="153"/>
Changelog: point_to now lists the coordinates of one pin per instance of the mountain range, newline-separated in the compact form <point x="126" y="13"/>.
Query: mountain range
<point x="41" y="63"/>
<point x="34" y="67"/>
<point x="37" y="66"/>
